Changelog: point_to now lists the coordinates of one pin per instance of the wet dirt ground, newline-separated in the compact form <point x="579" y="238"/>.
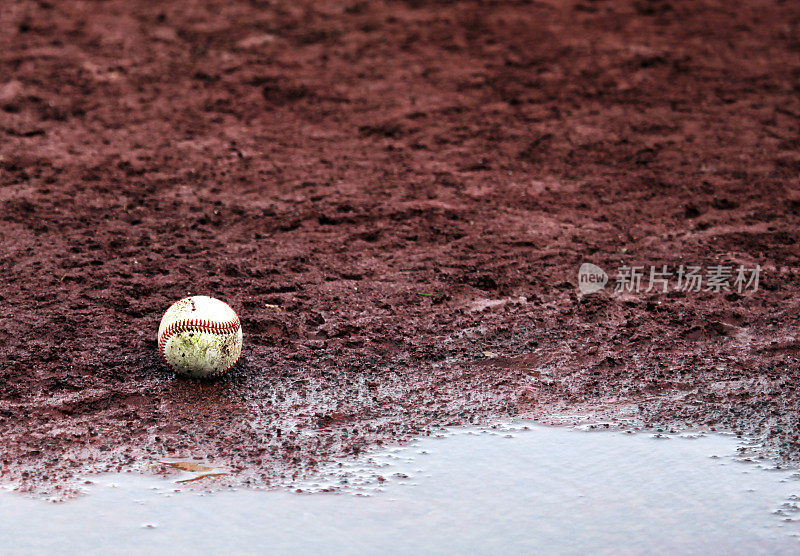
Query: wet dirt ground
<point x="396" y="198"/>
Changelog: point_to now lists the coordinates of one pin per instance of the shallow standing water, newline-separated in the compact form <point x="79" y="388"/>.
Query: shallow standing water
<point x="510" y="489"/>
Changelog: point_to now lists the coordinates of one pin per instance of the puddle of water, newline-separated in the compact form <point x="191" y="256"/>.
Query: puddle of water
<point x="505" y="490"/>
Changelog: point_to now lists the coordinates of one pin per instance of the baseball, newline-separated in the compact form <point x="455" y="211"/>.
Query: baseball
<point x="200" y="336"/>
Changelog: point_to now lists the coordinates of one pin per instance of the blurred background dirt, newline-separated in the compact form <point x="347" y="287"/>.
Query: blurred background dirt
<point x="395" y="197"/>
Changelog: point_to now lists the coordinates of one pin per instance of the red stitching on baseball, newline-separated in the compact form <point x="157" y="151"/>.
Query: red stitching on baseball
<point x="228" y="327"/>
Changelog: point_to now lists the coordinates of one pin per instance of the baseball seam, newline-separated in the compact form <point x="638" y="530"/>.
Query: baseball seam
<point x="193" y="325"/>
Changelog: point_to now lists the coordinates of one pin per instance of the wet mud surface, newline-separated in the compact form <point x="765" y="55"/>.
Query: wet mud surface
<point x="395" y="197"/>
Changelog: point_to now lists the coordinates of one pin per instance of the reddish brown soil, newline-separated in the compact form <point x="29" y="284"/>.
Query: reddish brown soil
<point x="357" y="180"/>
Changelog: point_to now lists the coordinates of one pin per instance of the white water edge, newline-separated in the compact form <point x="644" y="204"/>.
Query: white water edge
<point x="509" y="489"/>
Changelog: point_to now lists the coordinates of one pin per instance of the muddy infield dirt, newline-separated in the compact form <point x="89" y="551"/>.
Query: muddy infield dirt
<point x="395" y="197"/>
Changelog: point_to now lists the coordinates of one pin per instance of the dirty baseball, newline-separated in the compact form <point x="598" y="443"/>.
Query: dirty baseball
<point x="200" y="337"/>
